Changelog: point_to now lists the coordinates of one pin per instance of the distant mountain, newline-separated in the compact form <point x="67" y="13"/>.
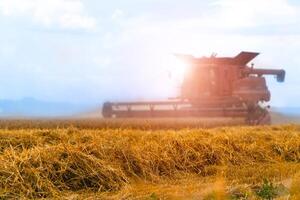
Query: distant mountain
<point x="30" y="107"/>
<point x="278" y="118"/>
<point x="290" y="111"/>
<point x="285" y="115"/>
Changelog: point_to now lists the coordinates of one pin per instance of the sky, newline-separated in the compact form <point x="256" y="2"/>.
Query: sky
<point x="90" y="51"/>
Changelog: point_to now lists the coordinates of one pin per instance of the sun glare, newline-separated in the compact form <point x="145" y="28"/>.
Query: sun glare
<point x="177" y="68"/>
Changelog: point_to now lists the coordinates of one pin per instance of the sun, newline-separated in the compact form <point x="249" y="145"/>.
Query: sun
<point x="176" y="68"/>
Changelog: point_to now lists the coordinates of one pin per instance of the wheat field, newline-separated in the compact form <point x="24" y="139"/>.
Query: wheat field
<point x="168" y="159"/>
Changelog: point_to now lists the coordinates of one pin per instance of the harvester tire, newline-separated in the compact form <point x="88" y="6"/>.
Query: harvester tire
<point x="265" y="119"/>
<point x="107" y="110"/>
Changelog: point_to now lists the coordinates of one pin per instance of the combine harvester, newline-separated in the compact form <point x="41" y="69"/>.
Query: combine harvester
<point x="212" y="87"/>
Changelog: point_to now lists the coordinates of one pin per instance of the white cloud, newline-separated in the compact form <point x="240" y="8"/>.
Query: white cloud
<point x="118" y="13"/>
<point x="67" y="14"/>
<point x="250" y="13"/>
<point x="235" y="14"/>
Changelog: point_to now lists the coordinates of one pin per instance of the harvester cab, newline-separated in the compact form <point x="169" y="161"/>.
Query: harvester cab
<point x="212" y="87"/>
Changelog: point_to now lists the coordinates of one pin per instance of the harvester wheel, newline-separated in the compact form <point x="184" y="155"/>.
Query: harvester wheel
<point x="258" y="116"/>
<point x="265" y="119"/>
<point x="107" y="110"/>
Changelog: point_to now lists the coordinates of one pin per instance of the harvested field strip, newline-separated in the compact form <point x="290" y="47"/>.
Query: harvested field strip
<point x="45" y="163"/>
<point x="143" y="124"/>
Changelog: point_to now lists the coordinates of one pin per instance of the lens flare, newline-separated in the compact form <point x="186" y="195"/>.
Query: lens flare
<point x="176" y="68"/>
